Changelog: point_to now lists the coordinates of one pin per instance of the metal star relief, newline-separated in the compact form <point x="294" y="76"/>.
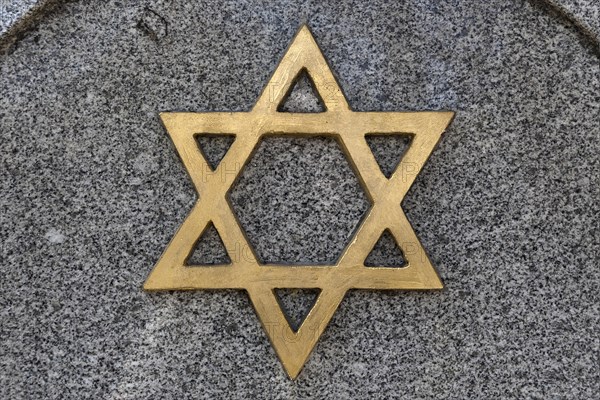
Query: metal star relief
<point x="385" y="194"/>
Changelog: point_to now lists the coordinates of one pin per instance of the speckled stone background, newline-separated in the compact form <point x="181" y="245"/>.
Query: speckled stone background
<point x="507" y="207"/>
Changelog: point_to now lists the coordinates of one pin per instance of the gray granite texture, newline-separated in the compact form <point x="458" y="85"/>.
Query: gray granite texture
<point x="18" y="15"/>
<point x="507" y="207"/>
<point x="585" y="13"/>
<point x="12" y="11"/>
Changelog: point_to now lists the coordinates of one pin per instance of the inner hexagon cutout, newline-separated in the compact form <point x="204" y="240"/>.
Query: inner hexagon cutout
<point x="298" y="200"/>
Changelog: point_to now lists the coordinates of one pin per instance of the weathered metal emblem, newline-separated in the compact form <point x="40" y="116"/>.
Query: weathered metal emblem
<point x="349" y="127"/>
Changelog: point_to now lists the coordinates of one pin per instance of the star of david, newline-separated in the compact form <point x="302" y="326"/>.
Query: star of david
<point x="386" y="194"/>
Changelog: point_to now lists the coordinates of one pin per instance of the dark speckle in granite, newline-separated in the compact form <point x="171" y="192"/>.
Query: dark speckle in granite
<point x="507" y="206"/>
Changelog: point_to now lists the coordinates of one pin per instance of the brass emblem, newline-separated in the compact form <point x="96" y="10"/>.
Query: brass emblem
<point x="385" y="194"/>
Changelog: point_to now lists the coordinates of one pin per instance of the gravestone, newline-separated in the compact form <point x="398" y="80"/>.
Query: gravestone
<point x="507" y="205"/>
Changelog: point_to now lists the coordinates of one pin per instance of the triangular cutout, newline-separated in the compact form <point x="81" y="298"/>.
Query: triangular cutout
<point x="296" y="304"/>
<point x="386" y="253"/>
<point x="388" y="150"/>
<point x="209" y="249"/>
<point x="302" y="97"/>
<point x="214" y="147"/>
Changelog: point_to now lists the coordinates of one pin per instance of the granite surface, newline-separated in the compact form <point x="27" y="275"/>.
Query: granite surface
<point x="585" y="13"/>
<point x="16" y="16"/>
<point x="507" y="206"/>
<point x="12" y="11"/>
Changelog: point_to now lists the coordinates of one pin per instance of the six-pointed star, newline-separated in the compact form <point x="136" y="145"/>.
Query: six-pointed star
<point x="386" y="194"/>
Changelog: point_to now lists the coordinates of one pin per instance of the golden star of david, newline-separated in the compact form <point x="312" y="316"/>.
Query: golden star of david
<point x="386" y="195"/>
